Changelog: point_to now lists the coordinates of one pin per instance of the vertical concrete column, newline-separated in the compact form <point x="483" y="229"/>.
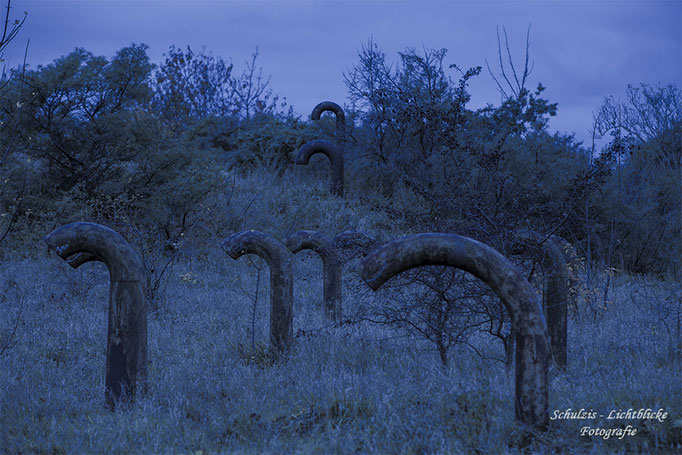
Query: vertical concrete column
<point x="555" y="295"/>
<point x="78" y="243"/>
<point x="278" y="258"/>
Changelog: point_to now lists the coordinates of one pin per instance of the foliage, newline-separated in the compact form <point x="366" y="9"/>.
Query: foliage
<point x="416" y="122"/>
<point x="76" y="119"/>
<point x="641" y="200"/>
<point x="192" y="85"/>
<point x="267" y="141"/>
<point x="482" y="173"/>
<point x="178" y="156"/>
<point x="442" y="305"/>
<point x="252" y="93"/>
<point x="89" y="132"/>
<point x="202" y="98"/>
<point x="13" y="186"/>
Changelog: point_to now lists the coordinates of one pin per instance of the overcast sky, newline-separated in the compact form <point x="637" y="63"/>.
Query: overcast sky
<point x="582" y="50"/>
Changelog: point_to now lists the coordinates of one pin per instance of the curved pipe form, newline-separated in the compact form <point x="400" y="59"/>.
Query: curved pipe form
<point x="555" y="294"/>
<point x="329" y="251"/>
<point x="78" y="243"/>
<point x="331" y="267"/>
<point x="532" y="346"/>
<point x="335" y="158"/>
<point x="340" y="118"/>
<point x="356" y="238"/>
<point x="308" y="240"/>
<point x="278" y="258"/>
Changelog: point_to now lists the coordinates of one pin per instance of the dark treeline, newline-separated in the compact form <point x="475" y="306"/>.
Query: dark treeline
<point x="122" y="141"/>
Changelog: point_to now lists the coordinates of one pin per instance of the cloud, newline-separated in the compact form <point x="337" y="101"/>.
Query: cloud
<point x="582" y="50"/>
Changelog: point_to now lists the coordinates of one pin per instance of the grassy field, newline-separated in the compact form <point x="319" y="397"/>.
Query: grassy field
<point x="358" y="388"/>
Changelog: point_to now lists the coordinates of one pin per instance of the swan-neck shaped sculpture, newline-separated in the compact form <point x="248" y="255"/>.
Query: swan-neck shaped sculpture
<point x="78" y="243"/>
<point x="340" y="118"/>
<point x="278" y="258"/>
<point x="532" y="345"/>
<point x="330" y="251"/>
<point x="547" y="252"/>
<point x="335" y="156"/>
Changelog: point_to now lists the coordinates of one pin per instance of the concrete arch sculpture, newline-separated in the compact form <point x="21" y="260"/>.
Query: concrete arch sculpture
<point x="555" y="293"/>
<point x="278" y="258"/>
<point x="78" y="243"/>
<point x="340" y="119"/>
<point x="532" y="345"/>
<point x="329" y="251"/>
<point x="335" y="156"/>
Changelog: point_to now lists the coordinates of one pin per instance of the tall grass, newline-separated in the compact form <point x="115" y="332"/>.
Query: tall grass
<point x="349" y="389"/>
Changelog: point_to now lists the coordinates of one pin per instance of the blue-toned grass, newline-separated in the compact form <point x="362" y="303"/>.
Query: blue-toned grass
<point x="351" y="389"/>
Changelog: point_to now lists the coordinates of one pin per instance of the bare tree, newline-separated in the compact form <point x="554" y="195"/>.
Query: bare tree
<point x="10" y="31"/>
<point x="250" y="91"/>
<point x="514" y="84"/>
<point x="649" y="115"/>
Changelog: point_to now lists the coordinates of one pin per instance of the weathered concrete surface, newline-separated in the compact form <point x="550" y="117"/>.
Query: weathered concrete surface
<point x="278" y="258"/>
<point x="556" y="285"/>
<point x="330" y="252"/>
<point x="532" y="343"/>
<point x="574" y="268"/>
<point x="340" y="119"/>
<point x="357" y="239"/>
<point x="78" y="243"/>
<point x="335" y="156"/>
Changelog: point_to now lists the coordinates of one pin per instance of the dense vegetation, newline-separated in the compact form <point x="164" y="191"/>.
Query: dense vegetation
<point x="107" y="139"/>
<point x="178" y="155"/>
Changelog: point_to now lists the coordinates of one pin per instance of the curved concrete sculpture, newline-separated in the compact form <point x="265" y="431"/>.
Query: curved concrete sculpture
<point x="278" y="258"/>
<point x="340" y="118"/>
<point x="356" y="239"/>
<point x="555" y="294"/>
<point x="532" y="346"/>
<point x="335" y="158"/>
<point x="567" y="249"/>
<point x="574" y="267"/>
<point x="78" y="243"/>
<point x="329" y="251"/>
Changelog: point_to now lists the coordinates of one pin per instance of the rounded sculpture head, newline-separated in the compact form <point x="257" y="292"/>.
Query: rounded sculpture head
<point x="319" y="146"/>
<point x="335" y="158"/>
<point x="329" y="106"/>
<point x="311" y="240"/>
<point x="78" y="243"/>
<point x="255" y="242"/>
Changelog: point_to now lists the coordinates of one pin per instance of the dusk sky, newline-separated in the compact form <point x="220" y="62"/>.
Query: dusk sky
<point x="582" y="50"/>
